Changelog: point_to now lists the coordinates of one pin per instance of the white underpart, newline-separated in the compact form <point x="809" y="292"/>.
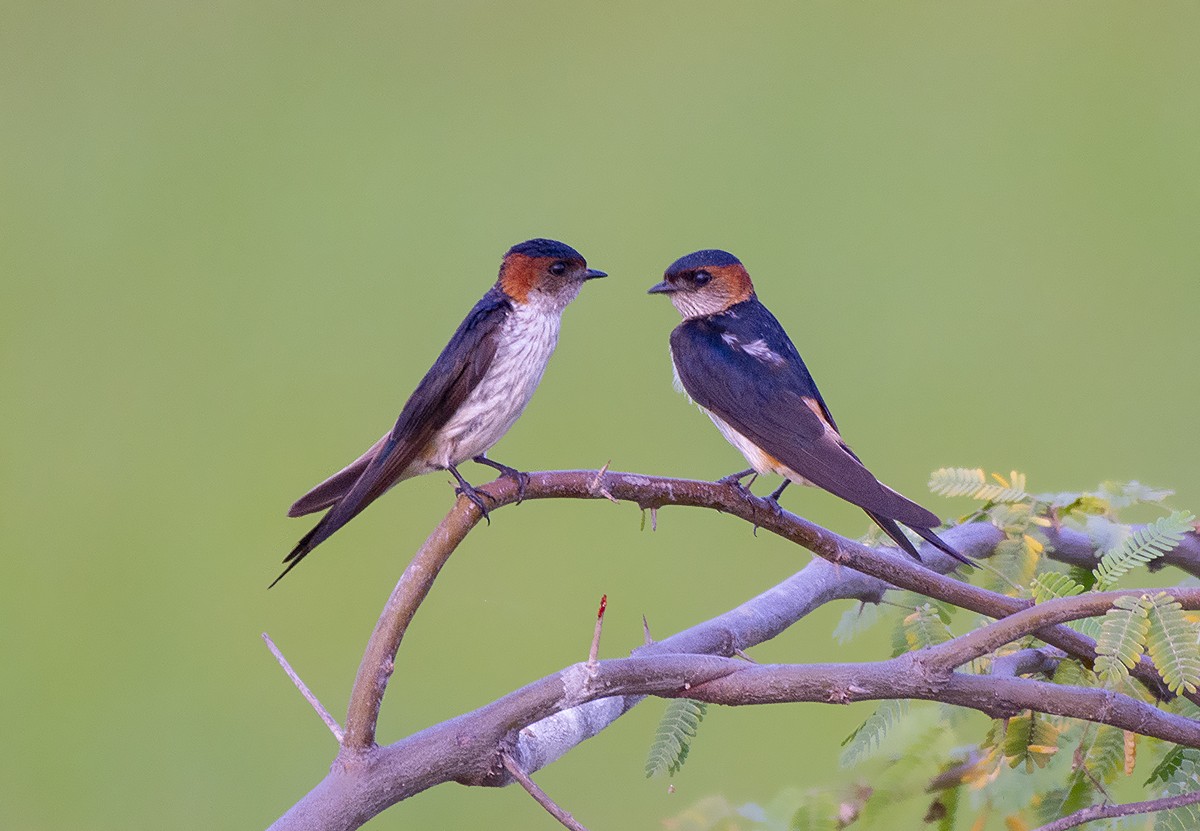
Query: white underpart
<point x="525" y="344"/>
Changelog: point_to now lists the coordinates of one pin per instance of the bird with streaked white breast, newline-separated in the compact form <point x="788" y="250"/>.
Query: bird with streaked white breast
<point x="474" y="392"/>
<point x="735" y="361"/>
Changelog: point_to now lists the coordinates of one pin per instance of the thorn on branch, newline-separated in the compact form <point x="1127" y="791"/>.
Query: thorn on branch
<point x="646" y="639"/>
<point x="329" y="720"/>
<point x="597" y="487"/>
<point x="595" y="650"/>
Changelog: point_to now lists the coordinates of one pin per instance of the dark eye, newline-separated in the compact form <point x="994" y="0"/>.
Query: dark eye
<point x="558" y="268"/>
<point x="701" y="278"/>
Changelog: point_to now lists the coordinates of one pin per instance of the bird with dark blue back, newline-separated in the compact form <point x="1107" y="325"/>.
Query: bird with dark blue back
<point x="470" y="397"/>
<point x="737" y="363"/>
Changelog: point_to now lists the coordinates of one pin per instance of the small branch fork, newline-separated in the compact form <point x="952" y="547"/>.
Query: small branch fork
<point x="366" y="778"/>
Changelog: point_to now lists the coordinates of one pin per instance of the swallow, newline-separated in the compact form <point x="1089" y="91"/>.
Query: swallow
<point x="734" y="360"/>
<point x="470" y="397"/>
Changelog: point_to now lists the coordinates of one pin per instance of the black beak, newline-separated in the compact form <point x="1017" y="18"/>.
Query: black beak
<point x="592" y="274"/>
<point x="662" y="288"/>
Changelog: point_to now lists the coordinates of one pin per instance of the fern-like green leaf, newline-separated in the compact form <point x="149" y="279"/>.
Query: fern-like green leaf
<point x="1182" y="781"/>
<point x="1165" y="770"/>
<point x="1015" y="560"/>
<point x="1124" y="494"/>
<point x="1172" y="643"/>
<point x="673" y="739"/>
<point x="1031" y="739"/>
<point x="1079" y="793"/>
<point x="1122" y="639"/>
<point x="972" y="483"/>
<point x="1148" y="543"/>
<point x="1052" y="584"/>
<point x="925" y="626"/>
<point x="1106" y="757"/>
<point x="868" y="736"/>
<point x="1072" y="673"/>
<point x="1013" y="518"/>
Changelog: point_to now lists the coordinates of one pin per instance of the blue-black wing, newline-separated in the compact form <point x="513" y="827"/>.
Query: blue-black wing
<point x="741" y="366"/>
<point x="456" y="372"/>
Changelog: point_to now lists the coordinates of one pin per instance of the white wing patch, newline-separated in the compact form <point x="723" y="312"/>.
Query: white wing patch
<point x="755" y="349"/>
<point x="759" y="349"/>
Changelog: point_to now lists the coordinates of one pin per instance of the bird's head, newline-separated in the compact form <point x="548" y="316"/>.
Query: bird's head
<point x="544" y="272"/>
<point x="705" y="283"/>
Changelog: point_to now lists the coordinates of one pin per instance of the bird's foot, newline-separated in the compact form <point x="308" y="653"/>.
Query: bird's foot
<point x="472" y="493"/>
<point x="775" y="494"/>
<point x="772" y="501"/>
<point x="520" y="477"/>
<point x="735" y="479"/>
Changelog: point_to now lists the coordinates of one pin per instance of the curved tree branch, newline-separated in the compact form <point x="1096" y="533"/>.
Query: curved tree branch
<point x="556" y="715"/>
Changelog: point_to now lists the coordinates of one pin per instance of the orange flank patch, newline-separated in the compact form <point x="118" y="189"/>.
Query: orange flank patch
<point x="520" y="274"/>
<point x="733" y="282"/>
<point x="815" y="406"/>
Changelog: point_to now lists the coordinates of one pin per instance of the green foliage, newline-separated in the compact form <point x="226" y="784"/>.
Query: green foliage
<point x="1154" y="624"/>
<point x="925" y="768"/>
<point x="1166" y="769"/>
<point x="1148" y="543"/>
<point x="818" y="813"/>
<point x="1183" y="780"/>
<point x="1122" y="639"/>
<point x="868" y="736"/>
<point x="1015" y="561"/>
<point x="1172" y="643"/>
<point x="856" y="620"/>
<point x="1124" y="494"/>
<point x="673" y="739"/>
<point x="972" y="483"/>
<point x="1070" y="672"/>
<point x="1105" y="757"/>
<point x="1029" y="739"/>
<point x="924" y="626"/>
<point x="1051" y="584"/>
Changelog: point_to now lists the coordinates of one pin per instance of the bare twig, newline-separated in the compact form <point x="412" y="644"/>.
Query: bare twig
<point x="308" y="694"/>
<point x="1096" y="812"/>
<point x="543" y="799"/>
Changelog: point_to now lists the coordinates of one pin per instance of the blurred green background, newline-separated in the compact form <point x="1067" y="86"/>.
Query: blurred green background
<point x="235" y="235"/>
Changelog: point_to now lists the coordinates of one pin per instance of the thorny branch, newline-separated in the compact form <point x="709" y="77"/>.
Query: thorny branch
<point x="544" y="720"/>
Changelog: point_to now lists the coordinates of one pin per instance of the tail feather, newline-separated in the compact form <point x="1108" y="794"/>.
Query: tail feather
<point x="336" y="486"/>
<point x="893" y="530"/>
<point x="319" y="533"/>
<point x="940" y="544"/>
